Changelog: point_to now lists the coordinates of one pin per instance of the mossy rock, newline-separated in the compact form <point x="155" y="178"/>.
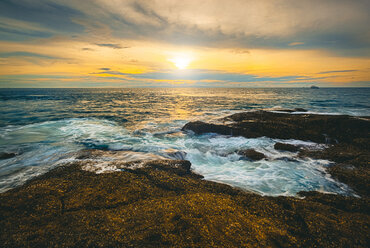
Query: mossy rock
<point x="164" y="204"/>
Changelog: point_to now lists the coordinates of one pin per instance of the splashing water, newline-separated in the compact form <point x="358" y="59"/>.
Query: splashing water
<point x="45" y="128"/>
<point x="44" y="145"/>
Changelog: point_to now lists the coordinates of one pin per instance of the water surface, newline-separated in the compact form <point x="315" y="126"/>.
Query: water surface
<point x="46" y="127"/>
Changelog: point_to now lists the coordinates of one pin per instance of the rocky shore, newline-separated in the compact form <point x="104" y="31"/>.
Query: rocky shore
<point x="162" y="203"/>
<point x="347" y="139"/>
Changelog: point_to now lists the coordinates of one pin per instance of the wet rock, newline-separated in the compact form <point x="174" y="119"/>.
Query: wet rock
<point x="164" y="204"/>
<point x="351" y="165"/>
<point x="290" y="110"/>
<point x="175" y="154"/>
<point x="300" y="110"/>
<point x="286" y="147"/>
<point x="347" y="138"/>
<point x="179" y="167"/>
<point x="317" y="128"/>
<point x="252" y="154"/>
<point x="199" y="127"/>
<point x="6" y="155"/>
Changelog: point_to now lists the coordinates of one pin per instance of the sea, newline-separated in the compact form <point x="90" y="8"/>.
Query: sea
<point x="47" y="128"/>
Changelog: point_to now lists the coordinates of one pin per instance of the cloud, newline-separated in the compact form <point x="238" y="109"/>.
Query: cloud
<point x="38" y="18"/>
<point x="229" y="35"/>
<point x="338" y="71"/>
<point x="114" y="46"/>
<point x="295" y="43"/>
<point x="206" y="76"/>
<point x="27" y="54"/>
<point x="336" y="25"/>
<point x="240" y="51"/>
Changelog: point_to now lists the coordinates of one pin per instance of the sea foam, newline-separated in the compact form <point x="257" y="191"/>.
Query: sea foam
<point x="45" y="145"/>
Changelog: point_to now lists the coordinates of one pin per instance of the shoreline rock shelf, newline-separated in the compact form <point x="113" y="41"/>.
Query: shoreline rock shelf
<point x="162" y="203"/>
<point x="347" y="137"/>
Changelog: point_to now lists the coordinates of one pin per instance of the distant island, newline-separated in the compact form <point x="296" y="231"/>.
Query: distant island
<point x="314" y="87"/>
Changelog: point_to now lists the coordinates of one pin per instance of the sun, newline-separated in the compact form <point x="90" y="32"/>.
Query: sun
<point x="181" y="61"/>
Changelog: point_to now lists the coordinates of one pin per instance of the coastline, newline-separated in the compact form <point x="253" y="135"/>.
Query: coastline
<point x="163" y="203"/>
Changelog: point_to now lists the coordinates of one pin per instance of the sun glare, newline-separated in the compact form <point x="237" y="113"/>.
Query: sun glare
<point x="181" y="62"/>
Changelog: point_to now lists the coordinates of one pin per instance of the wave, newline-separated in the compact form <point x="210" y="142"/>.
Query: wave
<point x="43" y="146"/>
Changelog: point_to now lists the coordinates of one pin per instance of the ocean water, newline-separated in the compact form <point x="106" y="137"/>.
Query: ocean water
<point x="46" y="128"/>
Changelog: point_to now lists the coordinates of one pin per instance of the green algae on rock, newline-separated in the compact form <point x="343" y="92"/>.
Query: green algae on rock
<point x="164" y="204"/>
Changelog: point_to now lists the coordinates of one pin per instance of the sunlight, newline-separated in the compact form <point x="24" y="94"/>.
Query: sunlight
<point x="181" y="61"/>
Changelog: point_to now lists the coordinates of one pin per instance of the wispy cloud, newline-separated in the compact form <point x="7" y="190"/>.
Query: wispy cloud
<point x="237" y="23"/>
<point x="27" y="54"/>
<point x="296" y="43"/>
<point x="337" y="71"/>
<point x="111" y="45"/>
<point x="235" y="42"/>
<point x="205" y="76"/>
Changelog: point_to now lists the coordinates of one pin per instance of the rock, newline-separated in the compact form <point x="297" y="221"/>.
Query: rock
<point x="351" y="164"/>
<point x="175" y="154"/>
<point x="310" y="127"/>
<point x="286" y="147"/>
<point x="300" y="110"/>
<point x="199" y="127"/>
<point x="252" y="154"/>
<point x="6" y="155"/>
<point x="164" y="204"/>
<point x="290" y="110"/>
<point x="347" y="137"/>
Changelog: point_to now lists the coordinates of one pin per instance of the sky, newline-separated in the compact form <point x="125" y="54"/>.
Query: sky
<point x="184" y="43"/>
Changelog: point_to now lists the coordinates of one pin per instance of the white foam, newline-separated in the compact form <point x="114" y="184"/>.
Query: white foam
<point x="48" y="144"/>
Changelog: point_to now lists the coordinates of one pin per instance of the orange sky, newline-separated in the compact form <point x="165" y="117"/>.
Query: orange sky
<point x="184" y="43"/>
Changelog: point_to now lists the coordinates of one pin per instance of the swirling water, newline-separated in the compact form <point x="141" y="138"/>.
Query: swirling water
<point x="46" y="127"/>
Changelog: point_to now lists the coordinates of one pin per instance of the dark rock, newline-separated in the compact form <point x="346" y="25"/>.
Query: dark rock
<point x="317" y="128"/>
<point x="347" y="137"/>
<point x="286" y="147"/>
<point x="6" y="155"/>
<point x="352" y="165"/>
<point x="200" y="127"/>
<point x="252" y="154"/>
<point x="163" y="204"/>
<point x="291" y="110"/>
<point x="300" y="110"/>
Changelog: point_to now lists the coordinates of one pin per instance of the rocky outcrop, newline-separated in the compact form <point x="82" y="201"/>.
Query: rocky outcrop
<point x="330" y="129"/>
<point x="164" y="204"/>
<point x="252" y="154"/>
<point x="6" y="155"/>
<point x="199" y="127"/>
<point x="290" y="110"/>
<point x="351" y="164"/>
<point x="347" y="137"/>
<point x="286" y="147"/>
